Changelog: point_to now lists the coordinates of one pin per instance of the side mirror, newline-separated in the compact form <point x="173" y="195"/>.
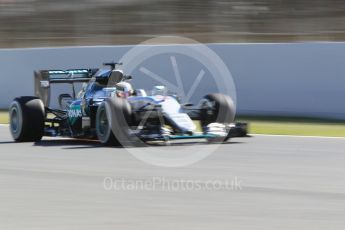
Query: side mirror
<point x="128" y="77"/>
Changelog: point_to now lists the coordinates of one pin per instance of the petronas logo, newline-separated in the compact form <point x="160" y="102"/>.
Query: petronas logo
<point x="74" y="113"/>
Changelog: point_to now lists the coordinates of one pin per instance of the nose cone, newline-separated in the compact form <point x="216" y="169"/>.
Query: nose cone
<point x="183" y="122"/>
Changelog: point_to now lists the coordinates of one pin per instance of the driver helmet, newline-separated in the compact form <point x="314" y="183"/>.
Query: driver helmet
<point x="124" y="89"/>
<point x="159" y="90"/>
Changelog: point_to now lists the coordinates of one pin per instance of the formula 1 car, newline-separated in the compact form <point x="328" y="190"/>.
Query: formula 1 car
<point x="110" y="110"/>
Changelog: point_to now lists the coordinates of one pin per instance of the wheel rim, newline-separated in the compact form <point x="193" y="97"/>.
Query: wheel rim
<point x="14" y="120"/>
<point x="208" y="106"/>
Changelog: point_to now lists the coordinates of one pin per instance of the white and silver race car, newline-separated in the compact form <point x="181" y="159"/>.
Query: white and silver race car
<point x="110" y="110"/>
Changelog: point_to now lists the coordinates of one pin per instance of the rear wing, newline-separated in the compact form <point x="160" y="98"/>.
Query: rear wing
<point x="44" y="79"/>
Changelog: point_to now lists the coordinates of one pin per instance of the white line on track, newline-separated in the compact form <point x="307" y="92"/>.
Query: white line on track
<point x="4" y="125"/>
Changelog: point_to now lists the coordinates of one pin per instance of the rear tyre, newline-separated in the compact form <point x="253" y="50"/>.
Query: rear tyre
<point x="27" y="115"/>
<point x="113" y="118"/>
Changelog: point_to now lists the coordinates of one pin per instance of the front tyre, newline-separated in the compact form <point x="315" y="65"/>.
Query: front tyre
<point x="217" y="112"/>
<point x="217" y="108"/>
<point x="112" y="122"/>
<point x="103" y="125"/>
<point x="27" y="115"/>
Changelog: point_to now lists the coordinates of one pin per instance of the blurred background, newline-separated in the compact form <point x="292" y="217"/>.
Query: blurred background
<point x="39" y="23"/>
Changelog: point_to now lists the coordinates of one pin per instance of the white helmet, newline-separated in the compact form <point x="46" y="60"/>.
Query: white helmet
<point x="159" y="90"/>
<point x="124" y="89"/>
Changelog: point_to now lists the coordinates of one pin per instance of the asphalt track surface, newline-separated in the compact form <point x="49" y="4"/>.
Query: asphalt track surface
<point x="281" y="183"/>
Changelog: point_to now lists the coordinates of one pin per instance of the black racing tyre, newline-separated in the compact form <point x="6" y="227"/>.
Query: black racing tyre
<point x="27" y="116"/>
<point x="217" y="108"/>
<point x="103" y="125"/>
<point x="113" y="119"/>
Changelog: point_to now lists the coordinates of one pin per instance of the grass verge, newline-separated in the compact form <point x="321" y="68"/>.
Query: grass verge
<point x="3" y="117"/>
<point x="294" y="126"/>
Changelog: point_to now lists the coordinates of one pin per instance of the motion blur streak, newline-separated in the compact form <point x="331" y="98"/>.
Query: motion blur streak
<point x="29" y="23"/>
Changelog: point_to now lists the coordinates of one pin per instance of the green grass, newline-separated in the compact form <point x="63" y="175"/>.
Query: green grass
<point x="3" y="117"/>
<point x="294" y="126"/>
